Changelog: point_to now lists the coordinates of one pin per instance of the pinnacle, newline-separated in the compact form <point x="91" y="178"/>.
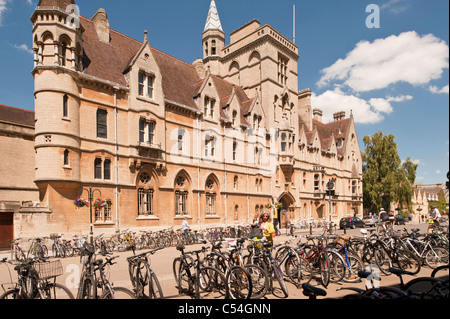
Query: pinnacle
<point x="213" y="21"/>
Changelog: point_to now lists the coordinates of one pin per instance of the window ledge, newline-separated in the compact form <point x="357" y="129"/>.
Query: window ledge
<point x="147" y="217"/>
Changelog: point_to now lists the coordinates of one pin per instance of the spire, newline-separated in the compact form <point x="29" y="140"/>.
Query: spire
<point x="213" y="21"/>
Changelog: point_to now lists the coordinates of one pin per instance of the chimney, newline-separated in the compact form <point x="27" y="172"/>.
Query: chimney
<point x="338" y="116"/>
<point x="317" y="114"/>
<point x="101" y="23"/>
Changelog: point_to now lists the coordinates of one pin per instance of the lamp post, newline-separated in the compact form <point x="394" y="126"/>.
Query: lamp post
<point x="330" y="192"/>
<point x="91" y="192"/>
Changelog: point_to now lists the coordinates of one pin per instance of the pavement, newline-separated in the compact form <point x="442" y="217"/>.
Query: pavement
<point x="161" y="263"/>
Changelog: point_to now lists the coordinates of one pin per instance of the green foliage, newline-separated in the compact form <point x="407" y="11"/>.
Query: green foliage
<point x="385" y="178"/>
<point x="440" y="204"/>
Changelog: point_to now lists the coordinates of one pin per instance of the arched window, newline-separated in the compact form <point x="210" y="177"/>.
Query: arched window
<point x="145" y="194"/>
<point x="213" y="47"/>
<point x="63" y="53"/>
<point x="98" y="168"/>
<point x="65" y="106"/>
<point x="66" y="157"/>
<point x="181" y="187"/>
<point x="210" y="195"/>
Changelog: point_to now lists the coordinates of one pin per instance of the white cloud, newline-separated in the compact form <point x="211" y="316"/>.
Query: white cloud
<point x="435" y="89"/>
<point x="407" y="57"/>
<point x="2" y="9"/>
<point x="364" y="112"/>
<point x="23" y="47"/>
<point x="395" y="6"/>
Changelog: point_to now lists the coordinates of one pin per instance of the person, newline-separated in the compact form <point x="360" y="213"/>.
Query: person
<point x="383" y="217"/>
<point x="434" y="215"/>
<point x="265" y="224"/>
<point x="185" y="225"/>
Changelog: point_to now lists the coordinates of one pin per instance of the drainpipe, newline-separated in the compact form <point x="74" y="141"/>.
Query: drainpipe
<point x="116" y="150"/>
<point x="198" y="170"/>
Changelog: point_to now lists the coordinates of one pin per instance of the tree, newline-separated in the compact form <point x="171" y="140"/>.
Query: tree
<point x="385" y="179"/>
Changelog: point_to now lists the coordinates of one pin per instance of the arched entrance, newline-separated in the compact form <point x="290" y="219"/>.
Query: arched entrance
<point x="285" y="212"/>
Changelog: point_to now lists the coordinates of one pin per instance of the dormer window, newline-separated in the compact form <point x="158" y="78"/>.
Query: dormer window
<point x="208" y="105"/>
<point x="145" y="84"/>
<point x="234" y="117"/>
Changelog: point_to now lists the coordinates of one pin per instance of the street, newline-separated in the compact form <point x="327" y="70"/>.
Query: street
<point x="161" y="263"/>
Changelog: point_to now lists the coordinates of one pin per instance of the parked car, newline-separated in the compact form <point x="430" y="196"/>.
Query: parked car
<point x="399" y="220"/>
<point x="351" y="222"/>
<point x="371" y="220"/>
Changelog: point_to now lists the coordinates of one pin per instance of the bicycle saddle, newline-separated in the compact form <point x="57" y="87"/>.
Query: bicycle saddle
<point x="398" y="272"/>
<point x="310" y="289"/>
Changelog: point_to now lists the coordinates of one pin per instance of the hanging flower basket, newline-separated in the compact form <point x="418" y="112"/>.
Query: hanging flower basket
<point x="81" y="202"/>
<point x="278" y="205"/>
<point x="99" y="203"/>
<point x="268" y="205"/>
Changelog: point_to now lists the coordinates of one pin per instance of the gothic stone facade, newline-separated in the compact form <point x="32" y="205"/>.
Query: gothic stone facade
<point x="160" y="139"/>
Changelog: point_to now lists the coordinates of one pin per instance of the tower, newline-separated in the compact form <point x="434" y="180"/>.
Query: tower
<point x="213" y="40"/>
<point x="57" y="46"/>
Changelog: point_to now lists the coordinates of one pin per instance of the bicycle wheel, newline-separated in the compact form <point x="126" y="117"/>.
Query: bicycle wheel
<point x="54" y="290"/>
<point x="353" y="265"/>
<point x="408" y="261"/>
<point x="69" y="250"/>
<point x="324" y="269"/>
<point x="428" y="288"/>
<point x="11" y="294"/>
<point x="382" y="260"/>
<point x="86" y="288"/>
<point x="186" y="280"/>
<point x="336" y="265"/>
<point x="260" y="280"/>
<point x="278" y="276"/>
<point x="212" y="283"/>
<point x="154" y="287"/>
<point x="18" y="254"/>
<point x="118" y="293"/>
<point x="436" y="257"/>
<point x="239" y="283"/>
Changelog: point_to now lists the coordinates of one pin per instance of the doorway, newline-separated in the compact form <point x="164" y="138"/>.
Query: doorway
<point x="6" y="229"/>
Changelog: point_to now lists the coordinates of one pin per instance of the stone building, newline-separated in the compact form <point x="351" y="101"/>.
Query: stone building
<point x="159" y="139"/>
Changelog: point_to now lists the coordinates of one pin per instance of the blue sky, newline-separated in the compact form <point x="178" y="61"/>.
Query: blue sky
<point x="394" y="78"/>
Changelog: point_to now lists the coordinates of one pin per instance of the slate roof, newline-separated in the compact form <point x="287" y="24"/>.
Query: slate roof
<point x="11" y="114"/>
<point x="180" y="80"/>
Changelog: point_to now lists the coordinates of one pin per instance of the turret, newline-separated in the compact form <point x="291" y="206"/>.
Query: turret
<point x="58" y="47"/>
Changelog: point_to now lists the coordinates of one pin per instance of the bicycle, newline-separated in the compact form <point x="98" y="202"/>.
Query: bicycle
<point x="16" y="252"/>
<point x="295" y="267"/>
<point x="36" y="280"/>
<point x="261" y="254"/>
<point x="317" y="257"/>
<point x="145" y="283"/>
<point x="329" y="228"/>
<point x="94" y="283"/>
<point x="193" y="279"/>
<point x="434" y="256"/>
<point x="258" y="276"/>
<point x="37" y="248"/>
<point x="351" y="259"/>
<point x="58" y="250"/>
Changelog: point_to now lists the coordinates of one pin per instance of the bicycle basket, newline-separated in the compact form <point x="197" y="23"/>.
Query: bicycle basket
<point x="49" y="269"/>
